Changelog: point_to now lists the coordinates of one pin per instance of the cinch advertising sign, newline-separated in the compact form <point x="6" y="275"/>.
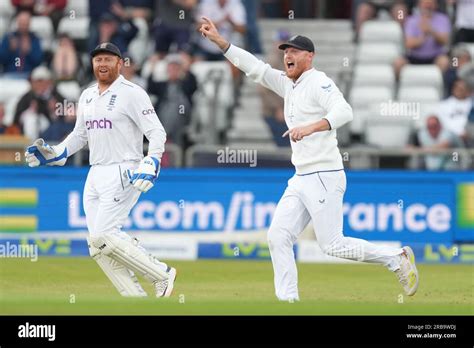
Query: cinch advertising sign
<point x="383" y="205"/>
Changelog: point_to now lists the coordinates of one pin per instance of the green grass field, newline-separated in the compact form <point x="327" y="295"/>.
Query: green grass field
<point x="54" y="285"/>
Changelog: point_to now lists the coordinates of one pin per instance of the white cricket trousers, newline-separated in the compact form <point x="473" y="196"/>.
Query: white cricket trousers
<point x="317" y="197"/>
<point x="108" y="199"/>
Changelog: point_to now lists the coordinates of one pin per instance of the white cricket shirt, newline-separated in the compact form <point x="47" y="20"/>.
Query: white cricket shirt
<point x="312" y="97"/>
<point x="113" y="124"/>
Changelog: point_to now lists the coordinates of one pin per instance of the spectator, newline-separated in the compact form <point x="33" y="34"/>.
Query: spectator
<point x="435" y="137"/>
<point x="53" y="9"/>
<point x="20" y="51"/>
<point x="65" y="60"/>
<point x="117" y="30"/>
<point x="470" y="126"/>
<point x="459" y="58"/>
<point x="454" y="111"/>
<point x="369" y="9"/>
<point x="35" y="109"/>
<point x="174" y="105"/>
<point x="173" y="25"/>
<point x="129" y="71"/>
<point x="466" y="73"/>
<point x="96" y="10"/>
<point x="7" y="130"/>
<point x="138" y="8"/>
<point x="272" y="104"/>
<point x="271" y="8"/>
<point x="464" y="21"/>
<point x="229" y="18"/>
<point x="252" y="34"/>
<point x="24" y="5"/>
<point x="60" y="126"/>
<point x="426" y="35"/>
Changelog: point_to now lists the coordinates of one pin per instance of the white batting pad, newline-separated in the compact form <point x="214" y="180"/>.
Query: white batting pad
<point x="123" y="279"/>
<point x="127" y="252"/>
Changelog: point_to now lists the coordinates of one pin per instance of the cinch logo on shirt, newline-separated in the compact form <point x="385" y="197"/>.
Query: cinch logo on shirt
<point x="99" y="124"/>
<point x="148" y="111"/>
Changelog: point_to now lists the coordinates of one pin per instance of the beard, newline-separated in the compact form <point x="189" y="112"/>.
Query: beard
<point x="107" y="77"/>
<point x="294" y="73"/>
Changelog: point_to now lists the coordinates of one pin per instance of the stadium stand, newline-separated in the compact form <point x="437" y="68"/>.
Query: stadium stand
<point x="227" y="108"/>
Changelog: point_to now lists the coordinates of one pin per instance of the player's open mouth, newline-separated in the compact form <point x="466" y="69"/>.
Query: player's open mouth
<point x="290" y="65"/>
<point x="103" y="71"/>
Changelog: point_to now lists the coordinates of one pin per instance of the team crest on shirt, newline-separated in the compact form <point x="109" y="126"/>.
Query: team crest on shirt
<point x="112" y="100"/>
<point x="327" y="88"/>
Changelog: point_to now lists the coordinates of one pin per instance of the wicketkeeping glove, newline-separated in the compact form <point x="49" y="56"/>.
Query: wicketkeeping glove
<point x="143" y="178"/>
<point x="40" y="154"/>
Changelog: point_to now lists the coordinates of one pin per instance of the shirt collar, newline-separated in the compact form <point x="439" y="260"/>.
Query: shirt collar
<point x="113" y="87"/>
<point x="303" y="76"/>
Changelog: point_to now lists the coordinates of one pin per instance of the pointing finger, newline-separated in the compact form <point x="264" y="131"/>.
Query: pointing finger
<point x="207" y="20"/>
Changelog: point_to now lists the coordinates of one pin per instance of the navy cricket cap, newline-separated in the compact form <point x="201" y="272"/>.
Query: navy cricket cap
<point x="106" y="47"/>
<point x="300" y="42"/>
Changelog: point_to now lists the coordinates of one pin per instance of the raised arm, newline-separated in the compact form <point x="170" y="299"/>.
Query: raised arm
<point x="254" y="68"/>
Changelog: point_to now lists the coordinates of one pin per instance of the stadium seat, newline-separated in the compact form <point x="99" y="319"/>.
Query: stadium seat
<point x="362" y="97"/>
<point x="11" y="88"/>
<point x="421" y="75"/>
<point x="315" y="29"/>
<point x="374" y="75"/>
<point x="381" y="32"/>
<point x="42" y="26"/>
<point x="418" y="94"/>
<point x="330" y="61"/>
<point x="426" y="109"/>
<point x="158" y="73"/>
<point x="388" y="131"/>
<point x="6" y="9"/>
<point x="3" y="26"/>
<point x="214" y="79"/>
<point x="77" y="8"/>
<point x="139" y="47"/>
<point x="344" y="135"/>
<point x="10" y="108"/>
<point x="377" y="53"/>
<point x="77" y="29"/>
<point x="247" y="126"/>
<point x="204" y="70"/>
<point x="361" y="114"/>
<point x="469" y="47"/>
<point x="69" y="90"/>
